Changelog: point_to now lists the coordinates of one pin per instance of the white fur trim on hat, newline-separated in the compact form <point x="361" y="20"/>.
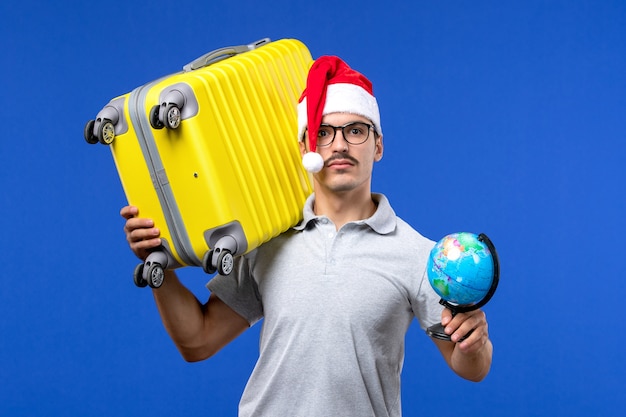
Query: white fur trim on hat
<point x="344" y="98"/>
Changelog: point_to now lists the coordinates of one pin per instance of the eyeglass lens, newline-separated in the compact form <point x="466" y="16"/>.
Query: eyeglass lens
<point x="354" y="133"/>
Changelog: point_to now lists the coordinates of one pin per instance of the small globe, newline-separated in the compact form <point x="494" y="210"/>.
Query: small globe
<point x="461" y="269"/>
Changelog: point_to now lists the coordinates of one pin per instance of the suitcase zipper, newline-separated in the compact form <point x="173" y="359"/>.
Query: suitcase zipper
<point x="180" y="238"/>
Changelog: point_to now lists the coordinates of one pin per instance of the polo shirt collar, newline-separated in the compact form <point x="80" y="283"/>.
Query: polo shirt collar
<point x="383" y="221"/>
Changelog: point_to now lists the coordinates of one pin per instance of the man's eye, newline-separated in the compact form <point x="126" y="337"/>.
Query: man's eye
<point x="324" y="132"/>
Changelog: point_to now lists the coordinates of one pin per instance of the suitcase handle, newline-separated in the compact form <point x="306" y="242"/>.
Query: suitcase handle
<point x="222" y="53"/>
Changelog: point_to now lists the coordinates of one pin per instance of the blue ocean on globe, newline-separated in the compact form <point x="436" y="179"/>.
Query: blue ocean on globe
<point x="460" y="268"/>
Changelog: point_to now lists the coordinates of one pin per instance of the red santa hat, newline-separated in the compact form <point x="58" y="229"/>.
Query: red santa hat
<point x="332" y="87"/>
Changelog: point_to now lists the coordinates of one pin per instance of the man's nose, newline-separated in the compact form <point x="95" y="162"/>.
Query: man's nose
<point x="340" y="141"/>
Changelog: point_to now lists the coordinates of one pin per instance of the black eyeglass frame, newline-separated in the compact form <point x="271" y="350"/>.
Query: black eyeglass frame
<point x="343" y="132"/>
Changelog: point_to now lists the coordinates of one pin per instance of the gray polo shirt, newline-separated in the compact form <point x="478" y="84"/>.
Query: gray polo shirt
<point x="336" y="307"/>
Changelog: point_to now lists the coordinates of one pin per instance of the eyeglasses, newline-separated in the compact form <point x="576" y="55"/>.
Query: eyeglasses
<point x="355" y="133"/>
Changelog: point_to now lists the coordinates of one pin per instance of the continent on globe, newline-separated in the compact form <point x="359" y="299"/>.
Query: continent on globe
<point x="461" y="268"/>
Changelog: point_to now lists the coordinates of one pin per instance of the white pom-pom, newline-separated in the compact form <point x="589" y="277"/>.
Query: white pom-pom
<point x="313" y="162"/>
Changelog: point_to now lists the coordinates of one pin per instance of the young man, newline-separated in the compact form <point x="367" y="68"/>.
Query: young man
<point x="337" y="292"/>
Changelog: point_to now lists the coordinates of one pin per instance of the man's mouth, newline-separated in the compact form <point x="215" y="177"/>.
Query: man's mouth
<point x="341" y="161"/>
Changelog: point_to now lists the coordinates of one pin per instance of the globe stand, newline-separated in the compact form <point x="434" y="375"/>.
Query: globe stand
<point x="437" y="331"/>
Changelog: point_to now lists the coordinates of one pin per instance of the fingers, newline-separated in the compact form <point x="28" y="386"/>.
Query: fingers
<point x="142" y="237"/>
<point x="446" y="316"/>
<point x="141" y="230"/>
<point x="141" y="234"/>
<point x="138" y="227"/>
<point x="462" y="324"/>
<point x="129" y="211"/>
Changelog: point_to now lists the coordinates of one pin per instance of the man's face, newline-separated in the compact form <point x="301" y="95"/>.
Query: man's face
<point x="346" y="167"/>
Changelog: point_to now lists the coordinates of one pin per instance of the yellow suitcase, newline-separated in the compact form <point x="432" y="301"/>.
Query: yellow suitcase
<point x="211" y="154"/>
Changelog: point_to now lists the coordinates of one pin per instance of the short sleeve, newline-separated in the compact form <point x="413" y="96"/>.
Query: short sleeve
<point x="426" y="306"/>
<point x="239" y="290"/>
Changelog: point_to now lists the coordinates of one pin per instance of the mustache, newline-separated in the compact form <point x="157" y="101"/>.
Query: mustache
<point x="341" y="155"/>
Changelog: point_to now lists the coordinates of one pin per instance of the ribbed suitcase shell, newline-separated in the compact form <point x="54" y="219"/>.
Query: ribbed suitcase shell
<point x="235" y="162"/>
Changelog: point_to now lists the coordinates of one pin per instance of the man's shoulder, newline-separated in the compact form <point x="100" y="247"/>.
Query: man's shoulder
<point x="286" y="238"/>
<point x="409" y="232"/>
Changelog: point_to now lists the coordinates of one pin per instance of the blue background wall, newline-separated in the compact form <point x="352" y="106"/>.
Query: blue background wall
<point x="503" y="117"/>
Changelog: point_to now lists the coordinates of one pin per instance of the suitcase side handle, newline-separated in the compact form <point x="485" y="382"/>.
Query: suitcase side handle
<point x="222" y="53"/>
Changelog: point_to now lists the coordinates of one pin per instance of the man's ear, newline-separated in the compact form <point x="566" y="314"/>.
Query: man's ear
<point x="379" y="149"/>
<point x="302" y="147"/>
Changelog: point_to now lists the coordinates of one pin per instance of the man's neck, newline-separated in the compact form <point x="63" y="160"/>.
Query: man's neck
<point x="342" y="208"/>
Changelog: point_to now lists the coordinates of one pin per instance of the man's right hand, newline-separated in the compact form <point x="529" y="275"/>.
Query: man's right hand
<point x="198" y="330"/>
<point x="141" y="234"/>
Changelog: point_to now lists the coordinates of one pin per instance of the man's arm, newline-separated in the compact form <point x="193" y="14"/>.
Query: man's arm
<point x="198" y="330"/>
<point x="471" y="358"/>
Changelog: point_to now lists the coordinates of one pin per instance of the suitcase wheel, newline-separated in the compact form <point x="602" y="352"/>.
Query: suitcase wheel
<point x="207" y="263"/>
<point x="106" y="132"/>
<point x="223" y="264"/>
<point x="155" y="275"/>
<point x="172" y="116"/>
<point x="138" y="276"/>
<point x="155" y="122"/>
<point x="165" y="115"/>
<point x="89" y="136"/>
